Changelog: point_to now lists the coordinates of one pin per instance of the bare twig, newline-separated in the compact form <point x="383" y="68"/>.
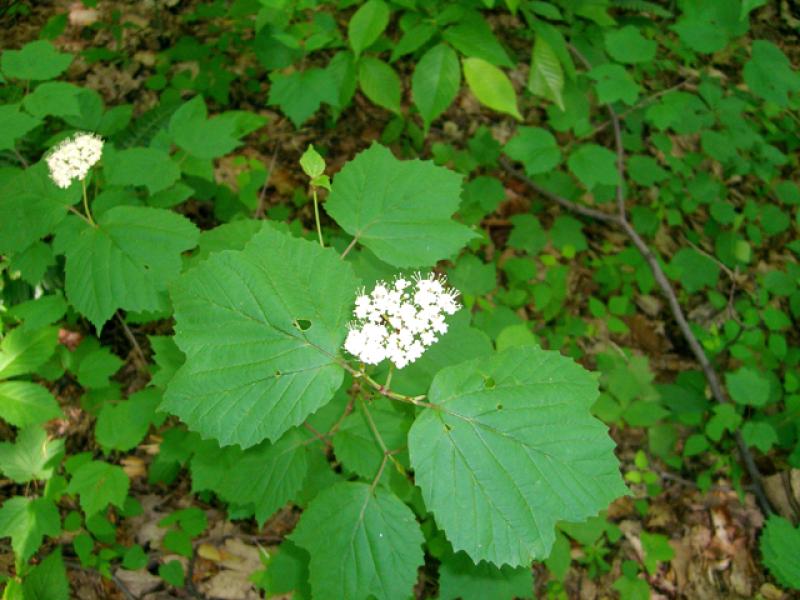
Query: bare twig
<point x="568" y="204"/>
<point x="137" y="349"/>
<point x="621" y="219"/>
<point x="262" y="195"/>
<point x="350" y="246"/>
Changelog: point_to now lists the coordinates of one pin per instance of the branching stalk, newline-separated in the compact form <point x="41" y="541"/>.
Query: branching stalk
<point x="620" y="219"/>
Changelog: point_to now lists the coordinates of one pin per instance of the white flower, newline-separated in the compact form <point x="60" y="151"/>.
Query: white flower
<point x="73" y="158"/>
<point x="400" y="320"/>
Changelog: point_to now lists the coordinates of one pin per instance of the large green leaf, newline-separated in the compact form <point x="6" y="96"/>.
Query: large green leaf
<point x="780" y="547"/>
<point x="26" y="521"/>
<point x="436" y="81"/>
<point x="23" y="403"/>
<point x="261" y="329"/>
<point x="367" y="24"/>
<point x="362" y="543"/>
<point x="126" y="261"/>
<point x="401" y="210"/>
<point x="31" y="205"/>
<point x="31" y="456"/>
<point x="491" y="86"/>
<point x="510" y="449"/>
<point x="266" y="476"/>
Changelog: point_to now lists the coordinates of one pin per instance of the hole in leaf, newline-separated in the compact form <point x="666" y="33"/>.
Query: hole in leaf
<point x="278" y="373"/>
<point x="499" y="407"/>
<point x="488" y="383"/>
<point x="447" y="427"/>
<point x="302" y="324"/>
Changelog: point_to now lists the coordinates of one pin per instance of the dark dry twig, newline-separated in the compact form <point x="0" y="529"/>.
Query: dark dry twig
<point x="621" y="219"/>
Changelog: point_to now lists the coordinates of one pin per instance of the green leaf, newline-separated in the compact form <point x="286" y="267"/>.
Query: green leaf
<point x="473" y="37"/>
<point x="31" y="205"/>
<point x="413" y="39"/>
<point x="707" y="25"/>
<point x="123" y="425"/>
<point x="287" y="571"/>
<point x="780" y="547"/>
<point x="614" y="83"/>
<point x="491" y="86"/>
<point x="759" y="434"/>
<point x="656" y="549"/>
<point x="23" y="403"/>
<point x="172" y="573"/>
<point x="147" y="167"/>
<point x="252" y="369"/>
<point x="36" y="61"/>
<point x="266" y="476"/>
<point x="627" y="45"/>
<point x="300" y="94"/>
<point x="54" y="98"/>
<point x="436" y="81"/>
<point x="355" y="444"/>
<point x="769" y="74"/>
<point x="511" y="449"/>
<point x="695" y="271"/>
<point x="206" y="138"/>
<point x="126" y="261"/>
<point x="367" y="24"/>
<point x="748" y="387"/>
<point x="535" y="148"/>
<point x="23" y="351"/>
<point x="97" y="367"/>
<point x="31" y="456"/>
<point x="99" y="484"/>
<point x="546" y="78"/>
<point x="594" y="165"/>
<point x="645" y="170"/>
<point x="362" y="543"/>
<point x="14" y="124"/>
<point x="401" y="210"/>
<point x="32" y="263"/>
<point x="380" y="83"/>
<point x="47" y="580"/>
<point x="459" y="577"/>
<point x="26" y="521"/>
<point x="312" y="163"/>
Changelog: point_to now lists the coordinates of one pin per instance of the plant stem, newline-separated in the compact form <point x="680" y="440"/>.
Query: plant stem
<point x="86" y="204"/>
<point x="316" y="215"/>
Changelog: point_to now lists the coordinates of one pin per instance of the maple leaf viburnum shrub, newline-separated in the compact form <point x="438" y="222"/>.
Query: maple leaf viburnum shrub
<point x="292" y="367"/>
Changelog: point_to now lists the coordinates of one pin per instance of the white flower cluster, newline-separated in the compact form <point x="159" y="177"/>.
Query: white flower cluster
<point x="73" y="158"/>
<point x="399" y="320"/>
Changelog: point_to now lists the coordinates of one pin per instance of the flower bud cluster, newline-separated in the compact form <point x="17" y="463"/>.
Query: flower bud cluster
<point x="399" y="320"/>
<point x="73" y="158"/>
